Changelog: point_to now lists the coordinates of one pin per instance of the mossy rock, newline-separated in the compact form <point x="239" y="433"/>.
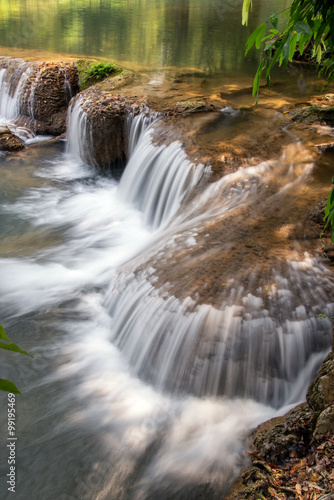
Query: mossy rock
<point x="315" y="114"/>
<point x="92" y="71"/>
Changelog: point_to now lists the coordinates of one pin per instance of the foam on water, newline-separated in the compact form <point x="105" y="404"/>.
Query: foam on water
<point x="133" y="392"/>
<point x="157" y="179"/>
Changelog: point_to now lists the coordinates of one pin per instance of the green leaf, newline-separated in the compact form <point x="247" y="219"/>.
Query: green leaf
<point x="285" y="52"/>
<point x="256" y="36"/>
<point x="13" y="347"/>
<point x="303" y="40"/>
<point x="277" y="54"/>
<point x="6" y="385"/>
<point x="302" y="27"/>
<point x="256" y="84"/>
<point x="330" y="203"/>
<point x="321" y="31"/>
<point x="274" y="20"/>
<point x="318" y="53"/>
<point x="245" y="11"/>
<point x="260" y="35"/>
<point x="331" y="25"/>
<point x="3" y="333"/>
<point x="293" y="43"/>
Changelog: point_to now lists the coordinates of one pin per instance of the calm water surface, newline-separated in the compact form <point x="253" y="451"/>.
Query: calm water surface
<point x="203" y="34"/>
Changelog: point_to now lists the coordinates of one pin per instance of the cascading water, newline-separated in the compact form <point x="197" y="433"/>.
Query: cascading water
<point x="79" y="134"/>
<point x="12" y="84"/>
<point x="157" y="178"/>
<point x="144" y="395"/>
<point x="11" y="87"/>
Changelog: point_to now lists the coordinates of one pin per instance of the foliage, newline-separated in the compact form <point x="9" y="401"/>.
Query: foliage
<point x="6" y="385"/>
<point x="329" y="211"/>
<point x="94" y="71"/>
<point x="310" y="26"/>
<point x="99" y="71"/>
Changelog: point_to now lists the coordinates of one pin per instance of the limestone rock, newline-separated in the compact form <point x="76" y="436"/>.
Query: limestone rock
<point x="9" y="141"/>
<point x="107" y="115"/>
<point x="45" y="90"/>
<point x="321" y="391"/>
<point x="314" y="114"/>
<point x="325" y="422"/>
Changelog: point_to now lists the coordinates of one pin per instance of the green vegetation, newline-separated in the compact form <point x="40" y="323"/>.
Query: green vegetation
<point x="310" y="28"/>
<point x="92" y="71"/>
<point x="6" y="385"/>
<point x="329" y="211"/>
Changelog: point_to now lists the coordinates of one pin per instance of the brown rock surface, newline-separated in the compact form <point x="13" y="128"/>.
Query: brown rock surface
<point x="9" y="141"/>
<point x="321" y="392"/>
<point x="45" y="94"/>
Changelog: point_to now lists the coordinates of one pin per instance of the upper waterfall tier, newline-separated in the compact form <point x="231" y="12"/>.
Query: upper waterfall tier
<point x="37" y="94"/>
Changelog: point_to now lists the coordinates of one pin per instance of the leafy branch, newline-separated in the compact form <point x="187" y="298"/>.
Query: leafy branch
<point x="6" y="385"/>
<point x="310" y="25"/>
<point x="329" y="212"/>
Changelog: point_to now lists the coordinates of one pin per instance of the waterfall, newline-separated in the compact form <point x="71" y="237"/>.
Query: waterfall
<point x="137" y="126"/>
<point x="161" y="386"/>
<point x="79" y="133"/>
<point x="12" y="82"/>
<point x="157" y="178"/>
<point x="241" y="349"/>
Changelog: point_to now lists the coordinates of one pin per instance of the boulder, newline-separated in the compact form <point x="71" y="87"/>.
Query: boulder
<point x="9" y="141"/>
<point x="43" y="92"/>
<point x="325" y="421"/>
<point x="320" y="394"/>
<point x="107" y="116"/>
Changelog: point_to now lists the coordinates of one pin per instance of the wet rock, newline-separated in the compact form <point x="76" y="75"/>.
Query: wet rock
<point x="9" y="141"/>
<point x="275" y="440"/>
<point x="107" y="115"/>
<point x="45" y="90"/>
<point x="322" y="148"/>
<point x="188" y="107"/>
<point x="321" y="392"/>
<point x="315" y="114"/>
<point x="325" y="422"/>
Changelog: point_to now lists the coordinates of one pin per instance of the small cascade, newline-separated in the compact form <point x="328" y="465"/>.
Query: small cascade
<point x="24" y="92"/>
<point x="157" y="178"/>
<point x="137" y="126"/>
<point x="250" y="347"/>
<point x="79" y="133"/>
<point x="67" y="88"/>
<point x="12" y="83"/>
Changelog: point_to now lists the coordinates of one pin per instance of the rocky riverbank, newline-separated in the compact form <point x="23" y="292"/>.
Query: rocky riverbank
<point x="289" y="457"/>
<point x="292" y="456"/>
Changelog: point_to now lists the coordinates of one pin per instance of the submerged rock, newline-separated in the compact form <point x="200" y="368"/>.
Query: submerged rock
<point x="312" y="114"/>
<point x="9" y="141"/>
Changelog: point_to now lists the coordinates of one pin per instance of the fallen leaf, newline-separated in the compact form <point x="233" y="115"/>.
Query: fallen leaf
<point x="314" y="478"/>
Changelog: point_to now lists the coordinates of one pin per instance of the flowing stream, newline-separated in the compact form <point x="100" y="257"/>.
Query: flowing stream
<point x="133" y="392"/>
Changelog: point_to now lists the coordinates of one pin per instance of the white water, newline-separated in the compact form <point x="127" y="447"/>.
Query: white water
<point x="15" y="87"/>
<point x="133" y="394"/>
<point x="11" y="88"/>
<point x="157" y="178"/>
<point x="79" y="134"/>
